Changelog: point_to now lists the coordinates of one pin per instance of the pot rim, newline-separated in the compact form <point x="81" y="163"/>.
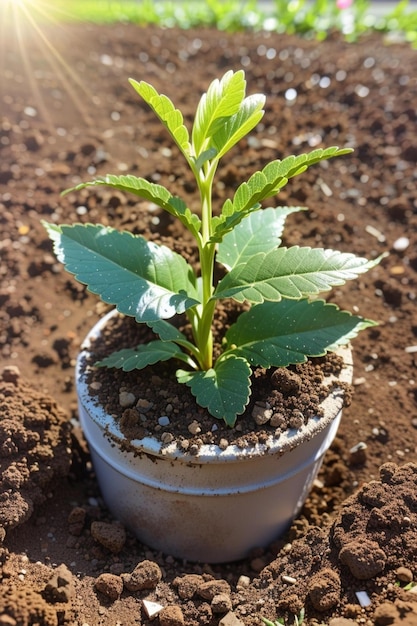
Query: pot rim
<point x="210" y="453"/>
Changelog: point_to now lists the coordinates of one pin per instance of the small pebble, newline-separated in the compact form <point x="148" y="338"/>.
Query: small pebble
<point x="144" y="405"/>
<point x="151" y="608"/>
<point x="357" y="454"/>
<point x="221" y="603"/>
<point x="126" y="399"/>
<point x="363" y="598"/>
<point x="194" y="428"/>
<point x="401" y="244"/>
<point x="163" y="420"/>
<point x="230" y="619"/>
<point x="289" y="579"/>
<point x="11" y="374"/>
<point x="261" y="414"/>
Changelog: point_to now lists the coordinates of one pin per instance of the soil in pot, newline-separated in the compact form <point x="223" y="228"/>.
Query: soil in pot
<point x="179" y="479"/>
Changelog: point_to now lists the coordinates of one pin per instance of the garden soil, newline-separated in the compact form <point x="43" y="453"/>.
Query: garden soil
<point x="67" y="114"/>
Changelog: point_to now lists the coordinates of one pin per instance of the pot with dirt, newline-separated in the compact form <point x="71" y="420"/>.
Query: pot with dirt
<point x="202" y="502"/>
<point x="281" y="323"/>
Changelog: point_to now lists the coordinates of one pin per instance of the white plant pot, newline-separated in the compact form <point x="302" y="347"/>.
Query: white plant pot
<point x="216" y="506"/>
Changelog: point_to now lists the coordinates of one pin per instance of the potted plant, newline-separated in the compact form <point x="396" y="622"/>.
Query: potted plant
<point x="186" y="494"/>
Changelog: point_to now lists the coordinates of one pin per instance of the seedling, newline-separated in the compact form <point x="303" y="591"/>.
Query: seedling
<point x="285" y="324"/>
<point x="298" y="620"/>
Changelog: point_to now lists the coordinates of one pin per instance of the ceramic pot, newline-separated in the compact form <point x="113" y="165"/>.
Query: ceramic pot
<point x="216" y="506"/>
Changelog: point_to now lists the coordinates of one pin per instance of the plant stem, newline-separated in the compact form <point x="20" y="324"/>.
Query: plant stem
<point x="203" y="332"/>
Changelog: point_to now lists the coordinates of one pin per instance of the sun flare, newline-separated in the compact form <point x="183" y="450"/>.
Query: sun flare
<point x="28" y="24"/>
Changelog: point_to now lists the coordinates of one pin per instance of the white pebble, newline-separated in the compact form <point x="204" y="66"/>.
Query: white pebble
<point x="401" y="244"/>
<point x="289" y="579"/>
<point x="363" y="598"/>
<point x="151" y="608"/>
<point x="375" y="233"/>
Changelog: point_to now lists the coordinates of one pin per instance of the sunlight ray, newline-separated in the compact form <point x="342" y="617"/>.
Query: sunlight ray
<point x="22" y="14"/>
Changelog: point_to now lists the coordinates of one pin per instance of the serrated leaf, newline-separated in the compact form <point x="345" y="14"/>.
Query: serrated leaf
<point x="222" y="99"/>
<point x="166" y="331"/>
<point x="144" y="280"/>
<point x="277" y="334"/>
<point x="223" y="390"/>
<point x="258" y="232"/>
<point x="149" y="191"/>
<point x="130" y="359"/>
<point x="222" y="225"/>
<point x="268" y="182"/>
<point x="164" y="109"/>
<point x="291" y="273"/>
<point x="239" y="125"/>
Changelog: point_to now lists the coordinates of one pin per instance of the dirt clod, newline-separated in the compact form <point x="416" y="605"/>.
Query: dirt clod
<point x="110" y="585"/>
<point x="324" y="590"/>
<point x="111" y="536"/>
<point x="171" y="616"/>
<point x="365" y="559"/>
<point x="146" y="575"/>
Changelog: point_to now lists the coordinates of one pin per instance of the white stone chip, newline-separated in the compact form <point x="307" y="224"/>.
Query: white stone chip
<point x="363" y="598"/>
<point x="151" y="608"/>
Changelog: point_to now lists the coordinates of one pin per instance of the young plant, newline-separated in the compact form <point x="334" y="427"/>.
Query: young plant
<point x="298" y="620"/>
<point x="286" y="322"/>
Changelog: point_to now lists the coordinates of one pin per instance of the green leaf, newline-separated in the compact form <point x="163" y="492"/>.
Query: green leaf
<point x="224" y="390"/>
<point x="149" y="191"/>
<point x="144" y="280"/>
<point x="205" y="156"/>
<point x="258" y="232"/>
<point x="239" y="125"/>
<point x="276" y="334"/>
<point x="143" y="355"/>
<point x="164" y="109"/>
<point x="222" y="100"/>
<point x="168" y="332"/>
<point x="268" y="182"/>
<point x="291" y="273"/>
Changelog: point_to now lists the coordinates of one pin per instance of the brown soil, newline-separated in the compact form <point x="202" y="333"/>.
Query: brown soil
<point x="292" y="395"/>
<point x="66" y="107"/>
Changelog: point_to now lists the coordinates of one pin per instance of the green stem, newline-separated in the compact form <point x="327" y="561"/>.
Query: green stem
<point x="203" y="330"/>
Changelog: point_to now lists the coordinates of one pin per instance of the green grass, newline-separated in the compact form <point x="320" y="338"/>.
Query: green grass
<point x="311" y="18"/>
